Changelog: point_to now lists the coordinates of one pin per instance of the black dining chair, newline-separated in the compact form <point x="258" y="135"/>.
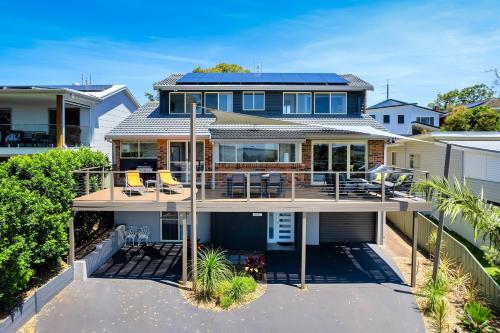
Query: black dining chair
<point x="238" y="185"/>
<point x="275" y="185"/>
<point x="256" y="184"/>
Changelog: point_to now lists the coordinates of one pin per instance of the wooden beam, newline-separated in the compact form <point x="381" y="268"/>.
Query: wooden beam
<point x="437" y="252"/>
<point x="194" y="246"/>
<point x="414" y="250"/>
<point x="59" y="121"/>
<point x="184" y="249"/>
<point x="303" y="252"/>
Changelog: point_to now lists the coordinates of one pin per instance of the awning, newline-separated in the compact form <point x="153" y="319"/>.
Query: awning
<point x="490" y="146"/>
<point x="370" y="131"/>
<point x="230" y="118"/>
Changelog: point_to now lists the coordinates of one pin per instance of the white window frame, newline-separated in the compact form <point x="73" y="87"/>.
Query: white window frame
<point x="330" y="143"/>
<point x="185" y="101"/>
<point x="298" y="152"/>
<point x="138" y="150"/>
<point x="427" y="117"/>
<point x="296" y="93"/>
<point x="330" y="101"/>
<point x="253" y="100"/>
<point x="218" y="99"/>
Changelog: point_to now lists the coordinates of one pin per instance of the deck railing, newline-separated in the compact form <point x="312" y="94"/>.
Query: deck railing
<point x="252" y="185"/>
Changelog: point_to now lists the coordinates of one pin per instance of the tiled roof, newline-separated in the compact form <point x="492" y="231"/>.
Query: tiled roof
<point x="354" y="81"/>
<point x="148" y="122"/>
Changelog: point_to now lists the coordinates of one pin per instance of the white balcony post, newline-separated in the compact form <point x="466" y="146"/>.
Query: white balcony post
<point x="157" y="186"/>
<point x="248" y="186"/>
<point x="203" y="186"/>
<point x="87" y="182"/>
<point x="382" y="180"/>
<point x="337" y="186"/>
<point x="112" y="186"/>
<point x="293" y="186"/>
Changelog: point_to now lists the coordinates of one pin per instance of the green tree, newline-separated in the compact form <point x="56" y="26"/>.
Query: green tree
<point x="151" y="97"/>
<point x="481" y="118"/>
<point x="222" y="68"/>
<point x="455" y="199"/>
<point x="36" y="193"/>
<point x="467" y="95"/>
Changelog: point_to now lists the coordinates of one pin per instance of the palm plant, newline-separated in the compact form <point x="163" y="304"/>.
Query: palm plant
<point x="213" y="268"/>
<point x="454" y="199"/>
<point x="476" y="318"/>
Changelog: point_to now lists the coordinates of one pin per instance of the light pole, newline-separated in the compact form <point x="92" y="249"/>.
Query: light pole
<point x="194" y="245"/>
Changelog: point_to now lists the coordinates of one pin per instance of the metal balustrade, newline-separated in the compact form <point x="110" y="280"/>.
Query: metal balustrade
<point x="335" y="186"/>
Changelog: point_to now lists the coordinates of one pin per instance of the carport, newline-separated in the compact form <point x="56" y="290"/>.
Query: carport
<point x="158" y="261"/>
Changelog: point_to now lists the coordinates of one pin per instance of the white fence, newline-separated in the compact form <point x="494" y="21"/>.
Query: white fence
<point x="454" y="250"/>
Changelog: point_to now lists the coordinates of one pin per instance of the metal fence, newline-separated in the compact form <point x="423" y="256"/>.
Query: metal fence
<point x="453" y="249"/>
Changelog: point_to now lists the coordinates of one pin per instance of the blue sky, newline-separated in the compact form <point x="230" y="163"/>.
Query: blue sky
<point x="422" y="47"/>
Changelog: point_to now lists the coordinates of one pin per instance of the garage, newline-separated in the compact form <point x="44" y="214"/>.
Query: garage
<point x="347" y="227"/>
<point x="239" y="231"/>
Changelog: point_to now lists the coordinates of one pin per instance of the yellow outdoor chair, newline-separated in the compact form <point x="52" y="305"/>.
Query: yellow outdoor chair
<point x="167" y="181"/>
<point x="133" y="182"/>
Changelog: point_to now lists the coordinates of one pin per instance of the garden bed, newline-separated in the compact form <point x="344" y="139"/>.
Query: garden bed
<point x="225" y="281"/>
<point x="213" y="304"/>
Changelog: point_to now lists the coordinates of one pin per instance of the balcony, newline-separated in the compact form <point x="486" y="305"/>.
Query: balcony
<point x="42" y="135"/>
<point x="255" y="191"/>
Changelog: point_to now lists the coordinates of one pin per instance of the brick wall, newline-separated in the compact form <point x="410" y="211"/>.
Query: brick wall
<point x="162" y="154"/>
<point x="116" y="153"/>
<point x="375" y="152"/>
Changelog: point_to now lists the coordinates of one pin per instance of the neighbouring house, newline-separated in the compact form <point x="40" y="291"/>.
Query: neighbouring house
<point x="405" y="118"/>
<point x="493" y="103"/>
<point x="278" y="156"/>
<point x="475" y="159"/>
<point x="37" y="118"/>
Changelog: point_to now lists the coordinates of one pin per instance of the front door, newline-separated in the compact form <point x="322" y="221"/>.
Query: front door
<point x="280" y="228"/>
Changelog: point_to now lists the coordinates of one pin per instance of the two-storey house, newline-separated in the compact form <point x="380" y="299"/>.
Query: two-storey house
<point x="278" y="156"/>
<point x="36" y="118"/>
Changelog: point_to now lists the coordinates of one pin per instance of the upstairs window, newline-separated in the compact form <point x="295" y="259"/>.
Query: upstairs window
<point x="426" y="120"/>
<point x="387" y="119"/>
<point x="253" y="101"/>
<point x="181" y="102"/>
<point x="219" y="101"/>
<point x="296" y="103"/>
<point x="401" y="118"/>
<point x="334" y="103"/>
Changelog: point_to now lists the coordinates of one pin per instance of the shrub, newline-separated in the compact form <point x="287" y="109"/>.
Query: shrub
<point x="241" y="286"/>
<point x="36" y="193"/>
<point x="255" y="266"/>
<point x="213" y="268"/>
<point x="226" y="302"/>
<point x="492" y="255"/>
<point x="439" y="318"/>
<point x="435" y="291"/>
<point x="476" y="318"/>
<point x="249" y="284"/>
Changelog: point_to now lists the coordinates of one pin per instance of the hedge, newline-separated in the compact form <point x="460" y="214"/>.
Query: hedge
<point x="36" y="193"/>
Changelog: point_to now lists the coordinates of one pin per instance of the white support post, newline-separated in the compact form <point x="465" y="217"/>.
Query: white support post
<point x="184" y="249"/>
<point x="293" y="186"/>
<point x="414" y="250"/>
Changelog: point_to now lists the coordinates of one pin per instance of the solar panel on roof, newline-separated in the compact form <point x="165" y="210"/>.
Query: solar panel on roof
<point x="261" y="78"/>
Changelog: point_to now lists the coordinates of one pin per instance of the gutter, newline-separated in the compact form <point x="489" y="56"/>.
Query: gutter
<point x="222" y="87"/>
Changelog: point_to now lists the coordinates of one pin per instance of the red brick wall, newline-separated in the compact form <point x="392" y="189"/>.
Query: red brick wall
<point x="116" y="153"/>
<point x="375" y="152"/>
<point x="162" y="154"/>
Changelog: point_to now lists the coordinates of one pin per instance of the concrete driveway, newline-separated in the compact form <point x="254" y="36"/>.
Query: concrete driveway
<point x="352" y="288"/>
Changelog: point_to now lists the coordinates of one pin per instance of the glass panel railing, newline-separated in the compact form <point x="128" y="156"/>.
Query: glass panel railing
<point x="27" y="135"/>
<point x="77" y="136"/>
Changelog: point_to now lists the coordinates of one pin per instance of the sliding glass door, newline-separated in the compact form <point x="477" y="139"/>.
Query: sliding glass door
<point x="338" y="156"/>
